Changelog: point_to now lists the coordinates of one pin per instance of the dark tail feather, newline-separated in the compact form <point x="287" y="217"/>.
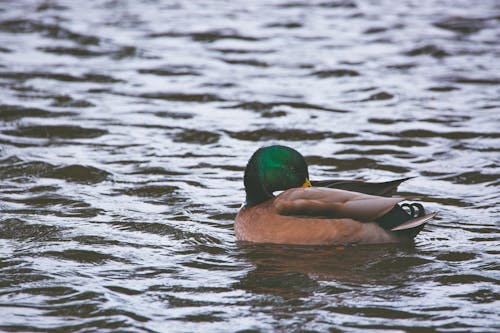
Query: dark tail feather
<point x="382" y="189"/>
<point x="405" y="225"/>
<point x="394" y="218"/>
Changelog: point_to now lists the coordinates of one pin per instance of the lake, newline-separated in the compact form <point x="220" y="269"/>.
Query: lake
<point x="125" y="128"/>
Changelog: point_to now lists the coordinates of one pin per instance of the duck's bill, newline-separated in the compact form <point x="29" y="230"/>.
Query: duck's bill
<point x="307" y="183"/>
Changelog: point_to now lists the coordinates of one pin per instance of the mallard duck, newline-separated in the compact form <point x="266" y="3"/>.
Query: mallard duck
<point x="331" y="212"/>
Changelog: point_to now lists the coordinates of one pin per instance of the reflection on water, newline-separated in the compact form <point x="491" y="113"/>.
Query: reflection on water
<point x="125" y="127"/>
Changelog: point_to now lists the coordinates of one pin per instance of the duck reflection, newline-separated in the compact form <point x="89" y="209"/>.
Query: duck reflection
<point x="296" y="271"/>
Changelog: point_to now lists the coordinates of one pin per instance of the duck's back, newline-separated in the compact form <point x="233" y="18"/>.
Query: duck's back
<point x="298" y="216"/>
<point x="324" y="216"/>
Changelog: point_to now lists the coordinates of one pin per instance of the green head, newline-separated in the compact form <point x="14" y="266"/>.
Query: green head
<point x="274" y="168"/>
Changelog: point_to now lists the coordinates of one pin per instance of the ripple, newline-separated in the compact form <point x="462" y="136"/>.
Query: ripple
<point x="123" y="290"/>
<point x="483" y="230"/>
<point x="167" y="230"/>
<point x="173" y="115"/>
<point x="152" y="191"/>
<point x="472" y="177"/>
<point x="181" y="302"/>
<point x="283" y="284"/>
<point x="481" y="296"/>
<point x="464" y="25"/>
<point x="431" y="50"/>
<point x="196" y="136"/>
<point x="48" y="30"/>
<point x="14" y="276"/>
<point x="443" y="88"/>
<point x="40" y="201"/>
<point x="56" y="131"/>
<point x="335" y="73"/>
<point x="385" y="121"/>
<point x="49" y="200"/>
<point x="361" y="152"/>
<point x="8" y="263"/>
<point x="459" y="327"/>
<point x="381" y="96"/>
<point x="15" y="112"/>
<point x="13" y="167"/>
<point x="484" y="239"/>
<point x="375" y="30"/>
<point x="326" y="4"/>
<point x="464" y="279"/>
<point x="286" y="25"/>
<point x="209" y="317"/>
<point x="449" y="135"/>
<point x="170" y="71"/>
<point x="72" y="51"/>
<point x="50" y="291"/>
<point x="156" y="171"/>
<point x="80" y="52"/>
<point x="285" y="134"/>
<point x="397" y="264"/>
<point x="448" y="119"/>
<point x="78" y="173"/>
<point x="63" y="77"/>
<point x="14" y="228"/>
<point x="338" y="4"/>
<point x="457" y="256"/>
<point x="298" y="105"/>
<point x="403" y="66"/>
<point x="65" y="101"/>
<point x="274" y="114"/>
<point x="469" y="80"/>
<point x="261" y="106"/>
<point x="377" y="312"/>
<point x="341" y="164"/>
<point x="208" y="36"/>
<point x="182" y="97"/>
<point x="241" y="51"/>
<point x="82" y="256"/>
<point x="248" y="62"/>
<point x="254" y="106"/>
<point x="398" y="143"/>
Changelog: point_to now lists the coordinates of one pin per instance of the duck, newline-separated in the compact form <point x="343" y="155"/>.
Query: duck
<point x="327" y="212"/>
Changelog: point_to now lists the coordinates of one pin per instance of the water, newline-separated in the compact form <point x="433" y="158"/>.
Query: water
<point x="126" y="125"/>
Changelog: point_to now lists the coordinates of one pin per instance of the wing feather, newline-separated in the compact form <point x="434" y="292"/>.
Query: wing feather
<point x="333" y="203"/>
<point x="379" y="188"/>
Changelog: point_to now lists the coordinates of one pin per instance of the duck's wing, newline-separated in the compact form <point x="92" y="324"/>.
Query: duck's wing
<point x="381" y="189"/>
<point x="333" y="203"/>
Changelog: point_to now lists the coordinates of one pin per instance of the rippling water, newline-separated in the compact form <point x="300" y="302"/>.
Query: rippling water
<point x="125" y="127"/>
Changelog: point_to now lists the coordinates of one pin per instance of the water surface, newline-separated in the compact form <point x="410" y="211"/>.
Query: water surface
<point x="125" y="127"/>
